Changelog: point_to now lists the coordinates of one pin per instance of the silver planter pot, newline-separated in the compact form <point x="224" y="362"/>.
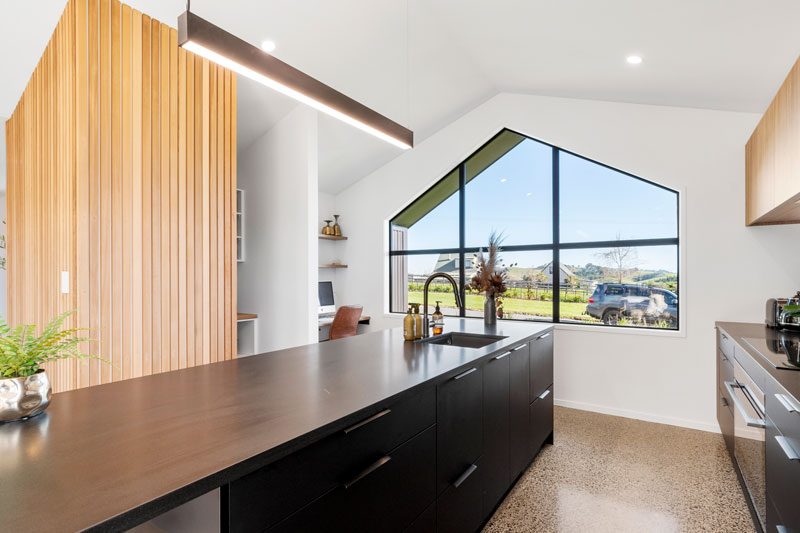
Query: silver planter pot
<point x="24" y="397"/>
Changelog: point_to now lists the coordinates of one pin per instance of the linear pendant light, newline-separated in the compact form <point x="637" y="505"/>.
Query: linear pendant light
<point x="215" y="44"/>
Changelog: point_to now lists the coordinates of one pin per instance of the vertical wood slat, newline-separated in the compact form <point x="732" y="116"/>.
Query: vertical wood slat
<point x="121" y="171"/>
<point x="147" y="221"/>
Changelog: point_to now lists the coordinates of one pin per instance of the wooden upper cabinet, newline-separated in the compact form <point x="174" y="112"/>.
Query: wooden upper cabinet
<point x="772" y="159"/>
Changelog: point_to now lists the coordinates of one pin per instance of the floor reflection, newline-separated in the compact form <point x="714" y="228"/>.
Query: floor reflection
<point x="611" y="474"/>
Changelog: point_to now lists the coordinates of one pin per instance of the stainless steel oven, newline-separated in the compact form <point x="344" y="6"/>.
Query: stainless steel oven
<point x="749" y="435"/>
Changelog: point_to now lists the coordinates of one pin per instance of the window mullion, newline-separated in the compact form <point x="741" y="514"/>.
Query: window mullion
<point x="556" y="242"/>
<point x="462" y="181"/>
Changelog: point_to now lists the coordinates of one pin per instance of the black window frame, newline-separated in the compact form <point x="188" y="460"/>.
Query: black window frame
<point x="555" y="247"/>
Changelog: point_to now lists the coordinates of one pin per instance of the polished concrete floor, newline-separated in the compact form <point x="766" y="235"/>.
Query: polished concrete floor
<point x="611" y="474"/>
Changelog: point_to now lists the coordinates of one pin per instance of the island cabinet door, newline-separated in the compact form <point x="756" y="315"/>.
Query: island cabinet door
<point x="263" y="498"/>
<point x="459" y="423"/>
<point x="541" y="364"/>
<point x="388" y="494"/>
<point x="459" y="507"/>
<point x="495" y="430"/>
<point x="519" y="411"/>
<point x="541" y="420"/>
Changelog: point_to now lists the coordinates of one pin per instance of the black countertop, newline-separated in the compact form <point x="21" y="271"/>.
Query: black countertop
<point x="112" y="456"/>
<point x="739" y="331"/>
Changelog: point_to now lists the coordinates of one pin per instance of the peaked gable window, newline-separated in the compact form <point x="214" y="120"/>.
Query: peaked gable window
<point x="603" y="240"/>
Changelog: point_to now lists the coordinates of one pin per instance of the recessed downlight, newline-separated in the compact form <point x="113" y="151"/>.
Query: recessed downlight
<point x="268" y="46"/>
<point x="503" y="180"/>
<point x="634" y="60"/>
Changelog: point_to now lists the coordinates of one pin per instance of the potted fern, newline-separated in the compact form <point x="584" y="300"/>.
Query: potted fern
<point x="24" y="386"/>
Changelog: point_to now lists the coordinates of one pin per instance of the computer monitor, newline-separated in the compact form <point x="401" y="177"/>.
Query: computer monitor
<point x="325" y="297"/>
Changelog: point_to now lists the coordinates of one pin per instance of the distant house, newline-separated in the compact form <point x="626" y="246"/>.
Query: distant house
<point x="449" y="263"/>
<point x="564" y="276"/>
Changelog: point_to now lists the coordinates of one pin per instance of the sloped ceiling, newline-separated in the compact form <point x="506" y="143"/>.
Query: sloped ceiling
<point x="425" y="62"/>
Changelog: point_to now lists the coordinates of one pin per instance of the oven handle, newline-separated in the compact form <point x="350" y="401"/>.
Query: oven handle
<point x="750" y="421"/>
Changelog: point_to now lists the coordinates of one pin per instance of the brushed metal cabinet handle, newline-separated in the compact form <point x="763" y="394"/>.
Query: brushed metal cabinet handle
<point x="463" y="477"/>
<point x="750" y="421"/>
<point x="519" y="348"/>
<point x="724" y="401"/>
<point x="543" y="336"/>
<point x="783" y="442"/>
<point x="467" y="373"/>
<point x="368" y="470"/>
<point x="543" y="395"/>
<point x="367" y="421"/>
<point x="784" y="401"/>
<point x="504" y="354"/>
<point x="723" y="336"/>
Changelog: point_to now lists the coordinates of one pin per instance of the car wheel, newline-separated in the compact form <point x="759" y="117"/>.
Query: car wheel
<point x="611" y="317"/>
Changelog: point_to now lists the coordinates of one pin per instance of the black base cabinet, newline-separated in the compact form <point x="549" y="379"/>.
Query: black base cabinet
<point x="496" y="430"/>
<point x="387" y="495"/>
<point x="460" y="507"/>
<point x="440" y="459"/>
<point x="542" y="420"/>
<point x="519" y="411"/>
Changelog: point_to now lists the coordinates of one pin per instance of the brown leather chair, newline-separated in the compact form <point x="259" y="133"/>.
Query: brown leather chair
<point x="345" y="323"/>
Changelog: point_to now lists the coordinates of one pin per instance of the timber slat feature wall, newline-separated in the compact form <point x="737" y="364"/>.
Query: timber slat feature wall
<point x="122" y="172"/>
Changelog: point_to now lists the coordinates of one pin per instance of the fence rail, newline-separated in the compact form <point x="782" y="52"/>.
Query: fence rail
<point x="533" y="288"/>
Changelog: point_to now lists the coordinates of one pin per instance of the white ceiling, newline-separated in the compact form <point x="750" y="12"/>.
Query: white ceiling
<point x="425" y="62"/>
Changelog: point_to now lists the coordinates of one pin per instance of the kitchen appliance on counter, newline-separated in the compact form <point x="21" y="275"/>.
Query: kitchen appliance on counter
<point x="784" y="313"/>
<point x="749" y="432"/>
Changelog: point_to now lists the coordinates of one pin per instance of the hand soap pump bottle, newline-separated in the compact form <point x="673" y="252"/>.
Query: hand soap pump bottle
<point x="438" y="320"/>
<point x="417" y="322"/>
<point x="408" y="326"/>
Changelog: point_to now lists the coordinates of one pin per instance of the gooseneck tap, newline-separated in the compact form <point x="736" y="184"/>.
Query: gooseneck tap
<point x="448" y="277"/>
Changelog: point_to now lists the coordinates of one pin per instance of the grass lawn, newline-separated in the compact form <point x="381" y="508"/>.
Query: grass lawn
<point x="514" y="306"/>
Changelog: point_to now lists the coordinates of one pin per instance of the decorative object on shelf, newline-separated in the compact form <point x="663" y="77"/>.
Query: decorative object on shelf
<point x="337" y="230"/>
<point x="24" y="386"/>
<point x="490" y="279"/>
<point x="328" y="229"/>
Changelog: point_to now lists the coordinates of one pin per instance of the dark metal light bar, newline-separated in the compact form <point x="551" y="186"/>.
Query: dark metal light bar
<point x="205" y="39"/>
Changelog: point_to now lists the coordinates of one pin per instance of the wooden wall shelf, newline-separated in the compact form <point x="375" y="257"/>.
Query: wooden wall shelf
<point x="332" y="237"/>
<point x="333" y="265"/>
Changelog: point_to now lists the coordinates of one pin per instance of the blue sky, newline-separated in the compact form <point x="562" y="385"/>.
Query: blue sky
<point x="514" y="196"/>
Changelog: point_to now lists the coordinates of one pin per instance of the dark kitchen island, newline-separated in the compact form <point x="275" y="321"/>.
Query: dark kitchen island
<point x="351" y="418"/>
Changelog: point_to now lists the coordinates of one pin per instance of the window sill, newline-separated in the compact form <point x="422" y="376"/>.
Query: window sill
<point x="586" y="328"/>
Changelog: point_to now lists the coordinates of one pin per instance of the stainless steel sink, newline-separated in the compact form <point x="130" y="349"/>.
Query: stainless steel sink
<point x="463" y="340"/>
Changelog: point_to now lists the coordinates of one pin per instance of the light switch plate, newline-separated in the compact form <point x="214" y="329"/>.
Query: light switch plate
<point x="64" y="282"/>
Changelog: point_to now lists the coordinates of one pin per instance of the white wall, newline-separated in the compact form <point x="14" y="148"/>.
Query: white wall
<point x="728" y="270"/>
<point x="2" y="212"/>
<point x="278" y="280"/>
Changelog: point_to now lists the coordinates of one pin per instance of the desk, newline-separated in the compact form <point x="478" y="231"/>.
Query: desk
<point x="246" y="333"/>
<point x="327" y="321"/>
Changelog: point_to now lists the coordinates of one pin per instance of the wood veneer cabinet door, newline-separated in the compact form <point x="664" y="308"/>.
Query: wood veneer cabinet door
<point x="772" y="159"/>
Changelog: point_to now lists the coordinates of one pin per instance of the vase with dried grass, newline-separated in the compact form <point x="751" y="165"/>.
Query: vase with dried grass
<point x="490" y="279"/>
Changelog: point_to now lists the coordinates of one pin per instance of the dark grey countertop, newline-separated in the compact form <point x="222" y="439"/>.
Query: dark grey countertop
<point x="112" y="456"/>
<point x="739" y="331"/>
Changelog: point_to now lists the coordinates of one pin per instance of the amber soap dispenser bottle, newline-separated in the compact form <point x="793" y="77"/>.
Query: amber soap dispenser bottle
<point x="408" y="326"/>
<point x="417" y="322"/>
